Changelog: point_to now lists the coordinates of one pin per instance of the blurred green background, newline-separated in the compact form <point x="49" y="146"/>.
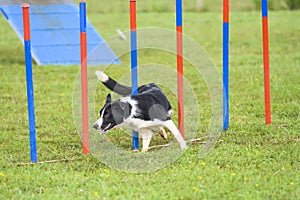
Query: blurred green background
<point x="189" y="5"/>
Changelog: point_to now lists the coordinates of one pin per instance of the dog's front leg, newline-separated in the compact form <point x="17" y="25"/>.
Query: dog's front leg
<point x="146" y="136"/>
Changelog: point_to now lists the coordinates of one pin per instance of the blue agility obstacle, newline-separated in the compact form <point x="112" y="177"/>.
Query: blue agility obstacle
<point x="55" y="31"/>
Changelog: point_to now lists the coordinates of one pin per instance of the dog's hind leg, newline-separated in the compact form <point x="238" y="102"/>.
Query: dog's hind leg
<point x="162" y="133"/>
<point x="146" y="136"/>
<point x="172" y="127"/>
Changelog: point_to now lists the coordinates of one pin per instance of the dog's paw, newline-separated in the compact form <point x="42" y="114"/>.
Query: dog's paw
<point x="145" y="150"/>
<point x="101" y="76"/>
<point x="162" y="133"/>
<point x="183" y="146"/>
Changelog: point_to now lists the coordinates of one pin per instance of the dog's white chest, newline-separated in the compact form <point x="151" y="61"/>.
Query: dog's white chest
<point x="136" y="123"/>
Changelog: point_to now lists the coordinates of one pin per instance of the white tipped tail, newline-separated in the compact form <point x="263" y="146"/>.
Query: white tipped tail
<point x="101" y="76"/>
<point x="121" y="34"/>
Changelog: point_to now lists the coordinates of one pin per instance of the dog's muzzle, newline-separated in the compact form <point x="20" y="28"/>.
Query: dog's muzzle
<point x="96" y="126"/>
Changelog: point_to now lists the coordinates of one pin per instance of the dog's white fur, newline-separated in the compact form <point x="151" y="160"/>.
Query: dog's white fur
<point x="143" y="127"/>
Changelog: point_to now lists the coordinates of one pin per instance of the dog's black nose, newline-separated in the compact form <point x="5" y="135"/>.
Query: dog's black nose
<point x="96" y="126"/>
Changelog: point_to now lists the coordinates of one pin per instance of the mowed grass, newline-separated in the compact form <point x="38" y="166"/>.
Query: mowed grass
<point x="251" y="161"/>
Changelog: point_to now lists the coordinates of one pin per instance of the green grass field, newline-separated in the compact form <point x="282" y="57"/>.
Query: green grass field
<point x="251" y="161"/>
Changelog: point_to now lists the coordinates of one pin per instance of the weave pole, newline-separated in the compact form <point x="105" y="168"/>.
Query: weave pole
<point x="225" y="64"/>
<point x="179" y="66"/>
<point x="265" y="35"/>
<point x="84" y="85"/>
<point x="29" y="82"/>
<point x="134" y="63"/>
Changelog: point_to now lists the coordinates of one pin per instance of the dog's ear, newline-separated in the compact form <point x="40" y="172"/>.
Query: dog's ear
<point x="122" y="106"/>
<point x="118" y="112"/>
<point x="118" y="106"/>
<point x="108" y="98"/>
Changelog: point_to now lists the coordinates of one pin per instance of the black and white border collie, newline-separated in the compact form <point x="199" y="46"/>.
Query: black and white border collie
<point x="144" y="112"/>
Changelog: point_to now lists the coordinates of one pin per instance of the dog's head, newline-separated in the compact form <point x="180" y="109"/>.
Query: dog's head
<point x="113" y="113"/>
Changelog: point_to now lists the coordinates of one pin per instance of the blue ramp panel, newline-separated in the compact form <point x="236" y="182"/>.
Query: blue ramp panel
<point x="55" y="36"/>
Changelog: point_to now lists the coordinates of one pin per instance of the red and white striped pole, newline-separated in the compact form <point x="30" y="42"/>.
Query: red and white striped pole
<point x="265" y="35"/>
<point x="84" y="82"/>
<point x="180" y="67"/>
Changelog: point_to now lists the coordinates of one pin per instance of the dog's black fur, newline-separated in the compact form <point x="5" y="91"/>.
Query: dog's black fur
<point x="143" y="112"/>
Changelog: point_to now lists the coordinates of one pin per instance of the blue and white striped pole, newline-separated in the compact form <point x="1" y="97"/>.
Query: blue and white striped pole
<point x="225" y="64"/>
<point x="134" y="63"/>
<point x="29" y="82"/>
